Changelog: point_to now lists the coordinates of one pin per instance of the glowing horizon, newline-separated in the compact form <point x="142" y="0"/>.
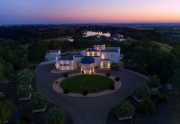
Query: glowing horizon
<point x="88" y="11"/>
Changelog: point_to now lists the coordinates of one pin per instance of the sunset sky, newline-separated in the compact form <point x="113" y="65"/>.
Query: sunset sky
<point x="88" y="11"/>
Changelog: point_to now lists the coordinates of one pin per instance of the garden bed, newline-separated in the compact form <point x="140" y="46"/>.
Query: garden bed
<point x="23" y="107"/>
<point x="25" y="98"/>
<point x="163" y="113"/>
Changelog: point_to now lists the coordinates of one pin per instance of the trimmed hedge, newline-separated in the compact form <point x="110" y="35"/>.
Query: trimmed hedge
<point x="117" y="78"/>
<point x="112" y="87"/>
<point x="65" y="91"/>
<point x="108" y="74"/>
<point x="65" y="75"/>
<point x="84" y="92"/>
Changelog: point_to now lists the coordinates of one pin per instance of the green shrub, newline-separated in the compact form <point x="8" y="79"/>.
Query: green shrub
<point x="65" y="75"/>
<point x="56" y="116"/>
<point x="153" y="82"/>
<point x="84" y="92"/>
<point x="141" y="92"/>
<point x="112" y="87"/>
<point x="117" y="78"/>
<point x="163" y="98"/>
<point x="39" y="101"/>
<point x="65" y="91"/>
<point x="20" y="122"/>
<point x="147" y="106"/>
<point x="108" y="74"/>
<point x="114" y="66"/>
<point x="154" y="94"/>
<point x="2" y="95"/>
<point x="25" y="118"/>
<point x="25" y="77"/>
<point x="57" y="82"/>
<point x="124" y="109"/>
<point x="23" y="91"/>
<point x="6" y="108"/>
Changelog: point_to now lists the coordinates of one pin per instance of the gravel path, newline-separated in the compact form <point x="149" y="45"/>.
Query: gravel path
<point x="90" y="110"/>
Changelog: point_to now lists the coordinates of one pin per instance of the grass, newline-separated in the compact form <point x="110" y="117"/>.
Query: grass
<point x="91" y="83"/>
<point x="164" y="46"/>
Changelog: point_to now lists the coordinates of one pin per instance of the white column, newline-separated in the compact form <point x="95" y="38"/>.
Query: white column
<point x="90" y="69"/>
<point x="84" y="69"/>
<point x="81" y="67"/>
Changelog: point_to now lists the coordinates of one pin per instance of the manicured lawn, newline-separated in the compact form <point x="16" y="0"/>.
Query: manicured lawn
<point x="91" y="83"/>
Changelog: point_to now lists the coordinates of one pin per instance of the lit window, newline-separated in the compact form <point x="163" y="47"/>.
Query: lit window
<point x="105" y="64"/>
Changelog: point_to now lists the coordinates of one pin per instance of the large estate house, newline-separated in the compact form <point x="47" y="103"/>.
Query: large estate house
<point x="87" y="60"/>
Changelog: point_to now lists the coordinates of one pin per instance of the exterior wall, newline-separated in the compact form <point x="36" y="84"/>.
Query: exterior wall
<point x="98" y="47"/>
<point x="105" y="62"/>
<point x="106" y="55"/>
<point x="76" y="59"/>
<point x="97" y="60"/>
<point x="51" y="55"/>
<point x="59" y="64"/>
<point x="91" y="53"/>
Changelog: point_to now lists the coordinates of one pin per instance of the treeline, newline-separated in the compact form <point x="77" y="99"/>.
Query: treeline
<point x="29" y="34"/>
<point x="149" y="58"/>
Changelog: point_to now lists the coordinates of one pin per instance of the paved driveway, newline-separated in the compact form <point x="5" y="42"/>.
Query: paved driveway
<point x="85" y="110"/>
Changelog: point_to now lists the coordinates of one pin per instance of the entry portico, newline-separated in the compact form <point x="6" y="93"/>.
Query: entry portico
<point x="87" y="65"/>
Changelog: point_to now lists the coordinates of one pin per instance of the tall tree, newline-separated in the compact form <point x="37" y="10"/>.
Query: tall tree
<point x="1" y="72"/>
<point x="37" y="51"/>
<point x="6" y="108"/>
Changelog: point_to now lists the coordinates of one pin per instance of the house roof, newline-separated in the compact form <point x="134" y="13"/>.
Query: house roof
<point x="92" y="49"/>
<point x="109" y="50"/>
<point x="68" y="56"/>
<point x="99" y="43"/>
<point x="53" y="50"/>
<point x="87" y="60"/>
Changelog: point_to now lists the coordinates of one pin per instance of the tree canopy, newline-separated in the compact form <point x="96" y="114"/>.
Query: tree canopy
<point x="56" y="116"/>
<point x="39" y="101"/>
<point x="6" y="108"/>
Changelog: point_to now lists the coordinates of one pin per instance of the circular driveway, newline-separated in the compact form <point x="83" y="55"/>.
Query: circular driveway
<point x="90" y="110"/>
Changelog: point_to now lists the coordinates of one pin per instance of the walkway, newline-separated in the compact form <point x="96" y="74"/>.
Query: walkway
<point x="91" y="110"/>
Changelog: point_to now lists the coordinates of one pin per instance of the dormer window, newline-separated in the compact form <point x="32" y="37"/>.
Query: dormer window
<point x="99" y="45"/>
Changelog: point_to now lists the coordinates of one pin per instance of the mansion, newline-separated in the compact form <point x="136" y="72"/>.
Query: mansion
<point x="90" y="59"/>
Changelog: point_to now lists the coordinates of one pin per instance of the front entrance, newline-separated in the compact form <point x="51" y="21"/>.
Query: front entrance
<point x="87" y="69"/>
